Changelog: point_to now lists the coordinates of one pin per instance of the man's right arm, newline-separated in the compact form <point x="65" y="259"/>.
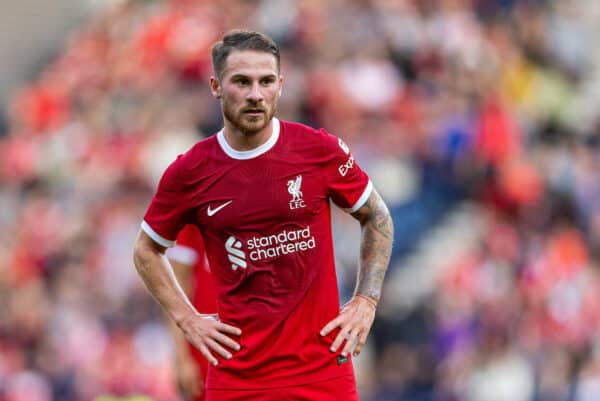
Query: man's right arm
<point x="205" y="332"/>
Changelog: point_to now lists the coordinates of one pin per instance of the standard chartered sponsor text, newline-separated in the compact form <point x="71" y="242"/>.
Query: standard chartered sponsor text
<point x="283" y="243"/>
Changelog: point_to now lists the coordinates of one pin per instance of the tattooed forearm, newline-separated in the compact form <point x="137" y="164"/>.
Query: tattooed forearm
<point x="376" y="245"/>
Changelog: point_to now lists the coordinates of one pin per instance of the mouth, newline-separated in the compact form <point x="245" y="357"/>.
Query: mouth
<point x="253" y="112"/>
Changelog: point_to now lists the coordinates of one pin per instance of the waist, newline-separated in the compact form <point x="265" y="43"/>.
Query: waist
<point x="279" y="371"/>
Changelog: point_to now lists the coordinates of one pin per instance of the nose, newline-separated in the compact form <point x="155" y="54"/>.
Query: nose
<point x="255" y="94"/>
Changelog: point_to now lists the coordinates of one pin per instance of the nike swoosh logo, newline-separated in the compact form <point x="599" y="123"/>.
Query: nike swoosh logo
<point x="212" y="212"/>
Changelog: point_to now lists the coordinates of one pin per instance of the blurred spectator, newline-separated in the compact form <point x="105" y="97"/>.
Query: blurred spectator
<point x="495" y="101"/>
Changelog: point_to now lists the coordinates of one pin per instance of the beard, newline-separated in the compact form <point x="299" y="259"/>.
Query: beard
<point x="246" y="124"/>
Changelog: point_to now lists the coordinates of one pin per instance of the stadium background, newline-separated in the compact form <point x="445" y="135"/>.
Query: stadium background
<point x="478" y="120"/>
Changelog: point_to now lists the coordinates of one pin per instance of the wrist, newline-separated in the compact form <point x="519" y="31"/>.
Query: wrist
<point x="371" y="300"/>
<point x="182" y="317"/>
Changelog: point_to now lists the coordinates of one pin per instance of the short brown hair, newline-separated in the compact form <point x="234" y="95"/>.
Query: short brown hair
<point x="238" y="39"/>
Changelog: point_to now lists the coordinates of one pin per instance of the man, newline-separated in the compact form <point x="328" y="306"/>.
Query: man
<point x="260" y="191"/>
<point x="192" y="271"/>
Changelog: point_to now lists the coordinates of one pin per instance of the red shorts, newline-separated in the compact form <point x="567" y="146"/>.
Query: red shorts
<point x="340" y="388"/>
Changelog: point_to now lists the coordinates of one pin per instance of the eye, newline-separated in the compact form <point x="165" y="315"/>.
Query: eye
<point x="242" y="81"/>
<point x="267" y="81"/>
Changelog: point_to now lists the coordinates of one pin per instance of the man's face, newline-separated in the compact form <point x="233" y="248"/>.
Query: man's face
<point x="249" y="90"/>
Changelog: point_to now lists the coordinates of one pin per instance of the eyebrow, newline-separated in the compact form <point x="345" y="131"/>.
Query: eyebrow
<point x="239" y="75"/>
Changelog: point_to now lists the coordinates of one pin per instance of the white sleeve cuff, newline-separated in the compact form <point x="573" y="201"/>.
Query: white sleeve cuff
<point x="363" y="198"/>
<point x="155" y="236"/>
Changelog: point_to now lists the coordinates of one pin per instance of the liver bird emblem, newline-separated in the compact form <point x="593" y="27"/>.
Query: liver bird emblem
<point x="294" y="188"/>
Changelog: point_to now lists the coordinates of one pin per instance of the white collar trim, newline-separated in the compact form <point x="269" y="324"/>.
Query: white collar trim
<point x="252" y="153"/>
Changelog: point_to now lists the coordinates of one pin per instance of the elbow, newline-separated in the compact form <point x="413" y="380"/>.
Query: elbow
<point x="141" y="251"/>
<point x="138" y="254"/>
<point x="144" y="250"/>
<point x="390" y="221"/>
<point x="381" y="221"/>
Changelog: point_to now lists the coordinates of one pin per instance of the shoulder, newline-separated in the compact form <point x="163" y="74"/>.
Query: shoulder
<point x="296" y="127"/>
<point x="199" y="153"/>
<point x="188" y="163"/>
<point x="306" y="136"/>
<point x="302" y="131"/>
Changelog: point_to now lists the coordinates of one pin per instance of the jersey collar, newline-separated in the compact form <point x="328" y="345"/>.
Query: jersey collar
<point x="249" y="154"/>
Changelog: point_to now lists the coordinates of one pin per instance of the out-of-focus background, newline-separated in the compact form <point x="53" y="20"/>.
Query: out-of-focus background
<point x="478" y="121"/>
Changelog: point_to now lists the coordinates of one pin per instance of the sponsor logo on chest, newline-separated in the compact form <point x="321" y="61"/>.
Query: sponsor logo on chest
<point x="259" y="247"/>
<point x="235" y="254"/>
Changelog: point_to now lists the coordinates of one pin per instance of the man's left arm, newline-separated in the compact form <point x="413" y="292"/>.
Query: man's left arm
<point x="357" y="315"/>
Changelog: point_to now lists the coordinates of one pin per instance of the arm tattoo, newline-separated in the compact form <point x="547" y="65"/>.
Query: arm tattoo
<point x="375" y="247"/>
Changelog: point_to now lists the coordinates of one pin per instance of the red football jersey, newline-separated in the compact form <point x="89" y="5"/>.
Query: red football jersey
<point x="266" y="222"/>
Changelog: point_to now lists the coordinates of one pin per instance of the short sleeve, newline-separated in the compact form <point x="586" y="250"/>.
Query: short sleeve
<point x="347" y="184"/>
<point x="170" y="207"/>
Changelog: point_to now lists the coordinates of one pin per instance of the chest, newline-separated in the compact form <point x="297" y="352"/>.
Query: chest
<point x="253" y="196"/>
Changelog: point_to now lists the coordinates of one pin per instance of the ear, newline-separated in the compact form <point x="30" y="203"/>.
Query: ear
<point x="280" y="84"/>
<point x="215" y="87"/>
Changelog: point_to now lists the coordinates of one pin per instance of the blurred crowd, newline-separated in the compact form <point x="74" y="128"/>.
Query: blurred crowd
<point x="499" y="98"/>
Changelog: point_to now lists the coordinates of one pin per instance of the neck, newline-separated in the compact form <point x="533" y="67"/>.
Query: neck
<point x="242" y="141"/>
